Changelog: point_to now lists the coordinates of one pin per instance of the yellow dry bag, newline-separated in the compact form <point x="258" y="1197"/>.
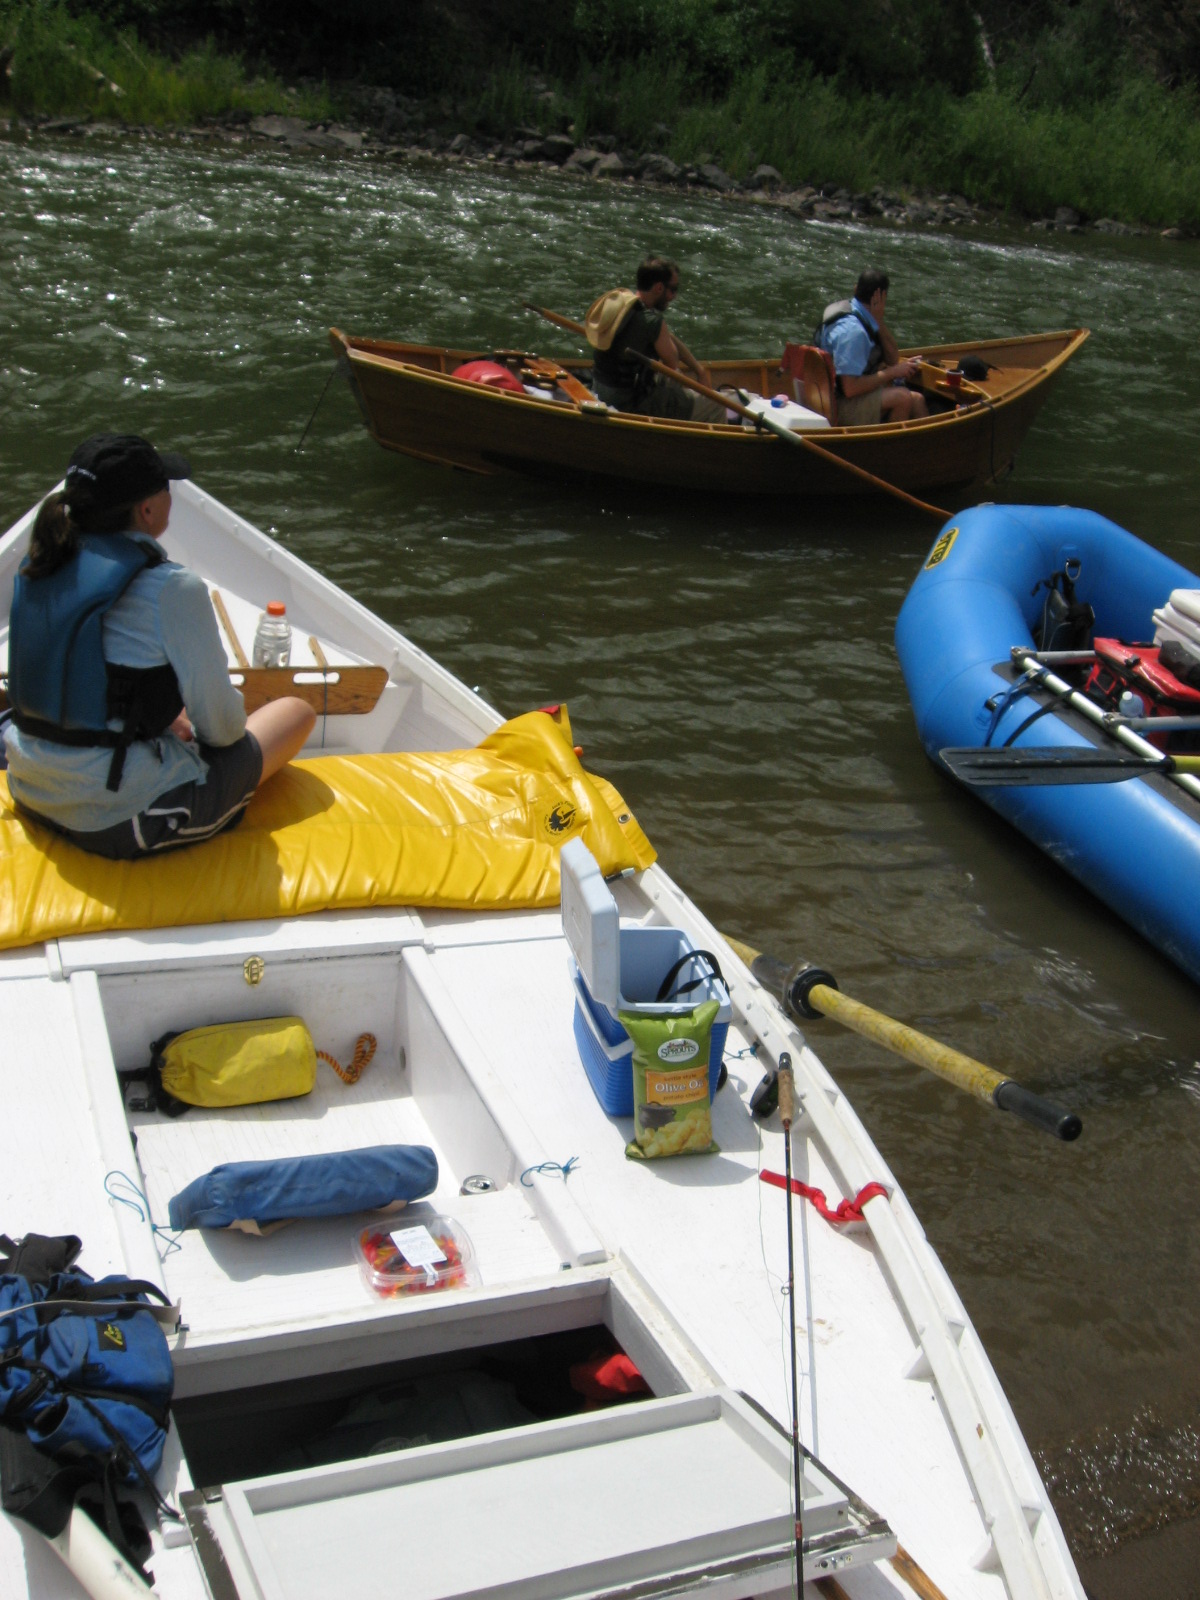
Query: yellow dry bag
<point x="233" y="1064"/>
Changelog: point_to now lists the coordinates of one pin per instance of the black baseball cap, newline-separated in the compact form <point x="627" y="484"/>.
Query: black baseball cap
<point x="111" y="470"/>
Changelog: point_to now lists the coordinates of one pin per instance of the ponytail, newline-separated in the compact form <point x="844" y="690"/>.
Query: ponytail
<point x="55" y="537"/>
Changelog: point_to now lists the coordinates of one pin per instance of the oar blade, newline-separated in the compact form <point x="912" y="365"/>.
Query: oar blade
<point x="1011" y="766"/>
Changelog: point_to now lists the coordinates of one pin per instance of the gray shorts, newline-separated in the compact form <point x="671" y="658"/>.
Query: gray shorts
<point x="186" y="815"/>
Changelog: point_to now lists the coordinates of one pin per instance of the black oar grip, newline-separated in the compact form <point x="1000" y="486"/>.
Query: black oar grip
<point x="1010" y="1096"/>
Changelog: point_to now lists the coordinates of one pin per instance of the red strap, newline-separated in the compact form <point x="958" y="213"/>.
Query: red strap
<point x="847" y="1211"/>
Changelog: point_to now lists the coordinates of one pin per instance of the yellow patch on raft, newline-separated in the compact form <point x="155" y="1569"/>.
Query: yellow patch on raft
<point x="461" y="829"/>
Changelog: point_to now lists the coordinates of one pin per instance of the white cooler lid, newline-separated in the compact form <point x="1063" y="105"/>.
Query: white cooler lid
<point x="591" y="924"/>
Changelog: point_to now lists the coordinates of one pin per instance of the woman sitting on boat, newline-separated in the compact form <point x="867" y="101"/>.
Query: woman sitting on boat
<point x="109" y="643"/>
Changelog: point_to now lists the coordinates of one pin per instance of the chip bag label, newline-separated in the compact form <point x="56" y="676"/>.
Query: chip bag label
<point x="672" y="1115"/>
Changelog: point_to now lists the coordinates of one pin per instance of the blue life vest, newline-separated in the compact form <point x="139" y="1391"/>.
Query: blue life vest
<point x="59" y="684"/>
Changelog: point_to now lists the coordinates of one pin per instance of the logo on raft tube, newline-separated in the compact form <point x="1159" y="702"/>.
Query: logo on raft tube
<point x="942" y="548"/>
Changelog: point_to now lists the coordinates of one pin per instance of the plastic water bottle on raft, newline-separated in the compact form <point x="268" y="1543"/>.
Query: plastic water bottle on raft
<point x="273" y="637"/>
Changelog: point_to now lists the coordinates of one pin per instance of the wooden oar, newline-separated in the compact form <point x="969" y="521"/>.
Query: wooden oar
<point x="557" y="319"/>
<point x="768" y="422"/>
<point x="1012" y="765"/>
<point x="806" y="992"/>
<point x="578" y="393"/>
<point x="764" y="419"/>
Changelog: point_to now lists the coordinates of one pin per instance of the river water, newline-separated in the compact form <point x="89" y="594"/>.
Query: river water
<point x="729" y="666"/>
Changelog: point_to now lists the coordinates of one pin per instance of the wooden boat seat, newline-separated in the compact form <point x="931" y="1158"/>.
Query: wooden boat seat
<point x="814" y="380"/>
<point x="331" y="688"/>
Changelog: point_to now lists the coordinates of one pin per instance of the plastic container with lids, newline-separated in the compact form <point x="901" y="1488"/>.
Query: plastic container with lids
<point x="409" y="1255"/>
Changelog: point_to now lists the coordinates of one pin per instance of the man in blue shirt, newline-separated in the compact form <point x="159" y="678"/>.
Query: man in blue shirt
<point x="871" y="378"/>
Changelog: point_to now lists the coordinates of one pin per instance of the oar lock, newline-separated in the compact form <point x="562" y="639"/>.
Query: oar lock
<point x="792" y="988"/>
<point x="799" y="984"/>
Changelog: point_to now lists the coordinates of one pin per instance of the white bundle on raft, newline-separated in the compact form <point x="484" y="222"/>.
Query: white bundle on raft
<point x="1179" y="620"/>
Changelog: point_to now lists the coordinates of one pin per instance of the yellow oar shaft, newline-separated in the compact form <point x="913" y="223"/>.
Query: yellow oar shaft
<point x="805" y="991"/>
<point x="961" y="1070"/>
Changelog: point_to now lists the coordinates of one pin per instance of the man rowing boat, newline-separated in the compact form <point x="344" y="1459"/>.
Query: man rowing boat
<point x="623" y="325"/>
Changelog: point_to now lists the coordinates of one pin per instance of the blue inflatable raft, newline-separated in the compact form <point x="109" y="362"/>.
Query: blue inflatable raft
<point x="1003" y="580"/>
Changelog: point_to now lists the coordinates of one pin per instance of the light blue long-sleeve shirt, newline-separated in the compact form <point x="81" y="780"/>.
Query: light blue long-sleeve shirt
<point x="164" y="616"/>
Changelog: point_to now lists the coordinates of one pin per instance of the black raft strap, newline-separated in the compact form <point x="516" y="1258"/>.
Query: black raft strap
<point x="668" y="989"/>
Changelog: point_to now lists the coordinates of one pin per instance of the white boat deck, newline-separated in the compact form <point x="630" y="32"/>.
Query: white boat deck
<point x="704" y="1232"/>
<point x="683" y="1260"/>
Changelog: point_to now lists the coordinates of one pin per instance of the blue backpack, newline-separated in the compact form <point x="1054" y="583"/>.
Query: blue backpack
<point x="85" y="1378"/>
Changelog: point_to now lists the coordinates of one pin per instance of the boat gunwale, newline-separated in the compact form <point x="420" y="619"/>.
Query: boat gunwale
<point x="375" y="354"/>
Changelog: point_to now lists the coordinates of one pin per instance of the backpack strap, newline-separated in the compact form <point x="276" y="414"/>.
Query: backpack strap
<point x="36" y="1257"/>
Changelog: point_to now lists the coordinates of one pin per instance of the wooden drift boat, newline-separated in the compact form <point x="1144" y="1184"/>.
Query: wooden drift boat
<point x="1044" y="653"/>
<point x="327" y="1438"/>
<point x="411" y="403"/>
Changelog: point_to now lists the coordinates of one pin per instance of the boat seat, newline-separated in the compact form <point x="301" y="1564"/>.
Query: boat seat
<point x="338" y="688"/>
<point x="814" y="381"/>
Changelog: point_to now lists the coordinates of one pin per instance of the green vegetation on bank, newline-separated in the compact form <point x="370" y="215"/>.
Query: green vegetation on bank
<point x="1023" y="105"/>
<point x="64" y="65"/>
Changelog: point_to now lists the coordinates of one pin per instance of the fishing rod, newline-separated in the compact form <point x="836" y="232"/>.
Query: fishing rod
<point x="787" y="1112"/>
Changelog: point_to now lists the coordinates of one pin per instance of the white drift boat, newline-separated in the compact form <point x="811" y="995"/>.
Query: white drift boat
<point x="916" y="1479"/>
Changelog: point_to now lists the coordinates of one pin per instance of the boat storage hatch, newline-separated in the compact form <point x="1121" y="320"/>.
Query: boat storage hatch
<point x="647" y="1498"/>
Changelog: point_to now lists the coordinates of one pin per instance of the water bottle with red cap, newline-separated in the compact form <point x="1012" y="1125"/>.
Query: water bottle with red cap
<point x="273" y="637"/>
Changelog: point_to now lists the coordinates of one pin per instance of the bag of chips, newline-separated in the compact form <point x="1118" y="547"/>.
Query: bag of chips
<point x="672" y="1108"/>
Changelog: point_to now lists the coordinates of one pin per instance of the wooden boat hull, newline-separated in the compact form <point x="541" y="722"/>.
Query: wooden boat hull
<point x="411" y="404"/>
<point x="1135" y="844"/>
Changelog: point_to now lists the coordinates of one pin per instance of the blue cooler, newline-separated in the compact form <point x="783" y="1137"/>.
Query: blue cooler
<point x="621" y="969"/>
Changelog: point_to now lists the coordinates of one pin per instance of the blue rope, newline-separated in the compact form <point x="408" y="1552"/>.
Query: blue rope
<point x="550" y="1166"/>
<point x="169" y="1235"/>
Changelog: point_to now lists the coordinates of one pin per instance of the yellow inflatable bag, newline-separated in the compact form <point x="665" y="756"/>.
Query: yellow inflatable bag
<point x="234" y="1064"/>
<point x="461" y="829"/>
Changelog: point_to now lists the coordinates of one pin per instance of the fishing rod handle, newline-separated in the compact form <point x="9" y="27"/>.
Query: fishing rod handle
<point x="1030" y="1107"/>
<point x="787" y="1090"/>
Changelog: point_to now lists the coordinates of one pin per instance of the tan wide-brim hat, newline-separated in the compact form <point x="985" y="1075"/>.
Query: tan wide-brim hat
<point x="605" y="316"/>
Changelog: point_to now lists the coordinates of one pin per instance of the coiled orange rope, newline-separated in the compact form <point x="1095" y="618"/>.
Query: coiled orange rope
<point x="364" y="1049"/>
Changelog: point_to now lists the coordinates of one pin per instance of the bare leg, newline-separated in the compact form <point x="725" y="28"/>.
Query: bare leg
<point x="898" y="404"/>
<point x="281" y="728"/>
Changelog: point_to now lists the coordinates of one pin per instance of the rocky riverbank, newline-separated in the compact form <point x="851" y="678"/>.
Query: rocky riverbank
<point x="394" y="128"/>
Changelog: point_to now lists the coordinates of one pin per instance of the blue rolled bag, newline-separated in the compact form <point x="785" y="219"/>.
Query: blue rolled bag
<point x="253" y="1195"/>
<point x="85" y="1391"/>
